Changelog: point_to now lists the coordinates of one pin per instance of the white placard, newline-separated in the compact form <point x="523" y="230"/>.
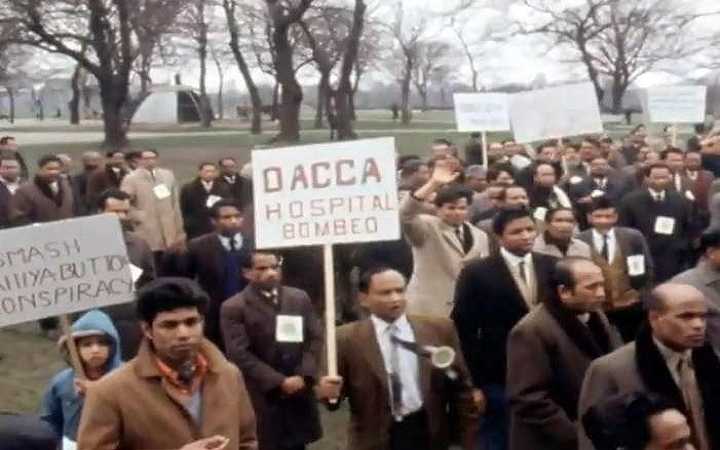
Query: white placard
<point x="554" y="113"/>
<point x="482" y="112"/>
<point x="664" y="225"/>
<point x="161" y="192"/>
<point x="62" y="267"/>
<point x="289" y="329"/>
<point x="636" y="265"/>
<point x="326" y="194"/>
<point x="677" y="104"/>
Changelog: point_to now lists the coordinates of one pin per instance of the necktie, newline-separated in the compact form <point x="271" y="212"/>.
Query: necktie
<point x="394" y="372"/>
<point x="233" y="244"/>
<point x="678" y="182"/>
<point x="693" y="403"/>
<point x="460" y="236"/>
<point x="605" y="249"/>
<point x="521" y="272"/>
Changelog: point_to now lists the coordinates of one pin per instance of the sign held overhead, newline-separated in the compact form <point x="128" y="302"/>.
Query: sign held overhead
<point x="677" y="104"/>
<point x="482" y="112"/>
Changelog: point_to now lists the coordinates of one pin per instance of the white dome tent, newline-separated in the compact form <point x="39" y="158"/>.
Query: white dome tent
<point x="169" y="104"/>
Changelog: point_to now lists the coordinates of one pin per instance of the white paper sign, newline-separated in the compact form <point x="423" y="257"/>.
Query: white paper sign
<point x="677" y="104"/>
<point x="540" y="213"/>
<point x="289" y="328"/>
<point x="482" y="112"/>
<point x="664" y="225"/>
<point x="161" y="192"/>
<point x="556" y="112"/>
<point x="636" y="265"/>
<point x="326" y="194"/>
<point x="211" y="200"/>
<point x="62" y="267"/>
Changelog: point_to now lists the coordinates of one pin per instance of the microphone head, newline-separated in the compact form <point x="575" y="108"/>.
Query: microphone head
<point x="442" y="357"/>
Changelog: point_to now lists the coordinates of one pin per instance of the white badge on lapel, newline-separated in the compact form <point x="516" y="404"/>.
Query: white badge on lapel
<point x="664" y="225"/>
<point x="135" y="272"/>
<point x="211" y="200"/>
<point x="540" y="213"/>
<point x="636" y="265"/>
<point x="289" y="328"/>
<point x="690" y="196"/>
<point x="161" y="191"/>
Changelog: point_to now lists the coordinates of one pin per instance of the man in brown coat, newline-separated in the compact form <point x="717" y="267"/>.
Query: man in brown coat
<point x="549" y="351"/>
<point x="108" y="177"/>
<point x="47" y="198"/>
<point x="178" y="393"/>
<point x="280" y="366"/>
<point x="399" y="400"/>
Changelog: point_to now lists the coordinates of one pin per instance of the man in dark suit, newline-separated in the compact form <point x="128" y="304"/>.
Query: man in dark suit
<point x="8" y="144"/>
<point x="91" y="161"/>
<point x="549" y="351"/>
<point x="627" y="265"/>
<point x="491" y="296"/>
<point x="399" y="399"/>
<point x="240" y="187"/>
<point x="198" y="196"/>
<point x="280" y="366"/>
<point x="670" y="357"/>
<point x="664" y="217"/>
<point x="215" y="260"/>
<point x="10" y="182"/>
<point x="108" y="177"/>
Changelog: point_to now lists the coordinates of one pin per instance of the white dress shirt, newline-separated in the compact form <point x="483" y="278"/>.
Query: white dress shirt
<point x="225" y="241"/>
<point x="12" y="187"/>
<point x="408" y="361"/>
<point x="598" y="243"/>
<point x="208" y="185"/>
<point x="657" y="195"/>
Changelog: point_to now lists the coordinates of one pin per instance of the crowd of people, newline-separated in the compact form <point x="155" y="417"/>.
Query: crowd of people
<point x="575" y="287"/>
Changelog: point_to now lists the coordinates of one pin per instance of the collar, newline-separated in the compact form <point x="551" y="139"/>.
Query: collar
<point x="225" y="241"/>
<point x="381" y="325"/>
<point x="172" y="376"/>
<point x="672" y="357"/>
<point x="692" y="174"/>
<point x="230" y="178"/>
<point x="146" y="367"/>
<point x="598" y="236"/>
<point x="584" y="318"/>
<point x="513" y="259"/>
<point x="271" y="295"/>
<point x="207" y="184"/>
<point x="562" y="245"/>
<point x="654" y="193"/>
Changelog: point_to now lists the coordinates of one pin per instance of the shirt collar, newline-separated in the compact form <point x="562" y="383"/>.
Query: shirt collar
<point x="225" y="241"/>
<point x="598" y="236"/>
<point x="514" y="260"/>
<point x="172" y="376"/>
<point x="654" y="193"/>
<point x="671" y="357"/>
<point x="381" y="326"/>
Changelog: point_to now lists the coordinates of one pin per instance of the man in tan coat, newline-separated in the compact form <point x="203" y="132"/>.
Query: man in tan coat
<point x="178" y="393"/>
<point x="156" y="204"/>
<point x="441" y="243"/>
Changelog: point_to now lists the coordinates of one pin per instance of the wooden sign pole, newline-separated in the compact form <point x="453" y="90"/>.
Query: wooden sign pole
<point x="72" y="347"/>
<point x="330" y="343"/>
<point x="674" y="135"/>
<point x="485" y="146"/>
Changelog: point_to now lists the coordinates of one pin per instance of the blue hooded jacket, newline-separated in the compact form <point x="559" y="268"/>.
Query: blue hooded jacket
<point x="61" y="405"/>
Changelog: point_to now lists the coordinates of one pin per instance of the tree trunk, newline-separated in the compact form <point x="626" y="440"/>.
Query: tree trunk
<point x="255" y="100"/>
<point x="618" y="91"/>
<point x="220" y="101"/>
<point x="292" y="95"/>
<point x="11" y="98"/>
<point x="206" y="115"/>
<point x="275" y="107"/>
<point x="405" y="94"/>
<point x="113" y="100"/>
<point x="74" y="104"/>
<point x="351" y="104"/>
<point x="474" y="80"/>
<point x="323" y="96"/>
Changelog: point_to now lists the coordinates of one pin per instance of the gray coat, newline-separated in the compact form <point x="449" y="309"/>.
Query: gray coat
<point x="549" y="351"/>
<point x="706" y="280"/>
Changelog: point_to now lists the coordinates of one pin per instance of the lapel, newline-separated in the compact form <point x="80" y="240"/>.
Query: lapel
<point x="262" y="305"/>
<point x="652" y="367"/>
<point x="423" y="336"/>
<point x="505" y="278"/>
<point x="370" y="349"/>
<point x="579" y="334"/>
<point x="624" y="243"/>
<point x="216" y="254"/>
<point x="448" y="233"/>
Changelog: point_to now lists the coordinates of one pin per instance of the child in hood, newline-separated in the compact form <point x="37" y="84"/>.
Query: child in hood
<point x="98" y="347"/>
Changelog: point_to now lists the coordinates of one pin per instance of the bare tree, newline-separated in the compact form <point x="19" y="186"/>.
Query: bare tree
<point x="432" y="64"/>
<point x="620" y="40"/>
<point x="218" y="59"/>
<point x="473" y="37"/>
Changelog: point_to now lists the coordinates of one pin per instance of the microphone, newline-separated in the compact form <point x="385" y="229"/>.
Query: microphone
<point x="441" y="357"/>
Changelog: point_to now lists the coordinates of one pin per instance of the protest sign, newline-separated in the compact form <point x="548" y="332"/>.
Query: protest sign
<point x="62" y="267"/>
<point x="555" y="113"/>
<point x="676" y="104"/>
<point x="482" y="112"/>
<point x="326" y="194"/>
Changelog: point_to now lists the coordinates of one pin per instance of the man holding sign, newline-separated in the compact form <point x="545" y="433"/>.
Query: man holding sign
<point x="274" y="336"/>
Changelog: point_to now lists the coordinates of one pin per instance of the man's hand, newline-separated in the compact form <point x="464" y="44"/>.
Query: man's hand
<point x="445" y="171"/>
<point x="179" y="247"/>
<point x="212" y="443"/>
<point x="292" y="385"/>
<point x="82" y="386"/>
<point x="479" y="400"/>
<point x="329" y="388"/>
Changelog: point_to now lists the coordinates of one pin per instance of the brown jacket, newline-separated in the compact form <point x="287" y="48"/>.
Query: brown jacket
<point x="34" y="203"/>
<point x="248" y="323"/>
<point x="130" y="409"/>
<point x="361" y="365"/>
<point x="159" y="220"/>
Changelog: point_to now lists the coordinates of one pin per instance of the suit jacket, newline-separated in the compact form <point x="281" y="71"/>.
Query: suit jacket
<point x="131" y="408"/>
<point x="79" y="184"/>
<point x="102" y="180"/>
<point x="205" y="262"/>
<point x="549" y="351"/>
<point x="160" y="222"/>
<point x="582" y="186"/>
<point x="639" y="367"/>
<point x="670" y="251"/>
<point x="706" y="280"/>
<point x="241" y="189"/>
<point x="5" y="200"/>
<point x="438" y="257"/>
<point x="700" y="187"/>
<point x="248" y="323"/>
<point x="193" y="204"/>
<point x="34" y="202"/>
<point x="361" y="365"/>
<point x="576" y="248"/>
<point x="631" y="242"/>
<point x="488" y="304"/>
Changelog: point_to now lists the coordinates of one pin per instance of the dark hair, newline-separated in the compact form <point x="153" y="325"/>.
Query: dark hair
<point x="505" y="216"/>
<point x="246" y="261"/>
<point x="670" y="150"/>
<point x="710" y="239"/>
<point x="411" y="167"/>
<point x="167" y="294"/>
<point x="494" y="171"/>
<point x="8" y="156"/>
<point x="537" y="165"/>
<point x="550" y="143"/>
<point x="402" y="160"/>
<point x="111" y="153"/>
<point x="442" y="141"/>
<point x="550" y="214"/>
<point x="46" y="159"/>
<point x="114" y="193"/>
<point x="132" y="155"/>
<point x="226" y="158"/>
<point x="657" y="165"/>
<point x="4" y="140"/>
<point x="223" y="203"/>
<point x="601" y="202"/>
<point x="699" y="128"/>
<point x="203" y="164"/>
<point x="366" y="277"/>
<point x="451" y="194"/>
<point x="592" y="141"/>
<point x="564" y="272"/>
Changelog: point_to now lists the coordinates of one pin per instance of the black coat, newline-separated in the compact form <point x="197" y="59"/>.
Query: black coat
<point x="5" y="198"/>
<point x="671" y="253"/>
<point x="193" y="204"/>
<point x="241" y="189"/>
<point x="488" y="305"/>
